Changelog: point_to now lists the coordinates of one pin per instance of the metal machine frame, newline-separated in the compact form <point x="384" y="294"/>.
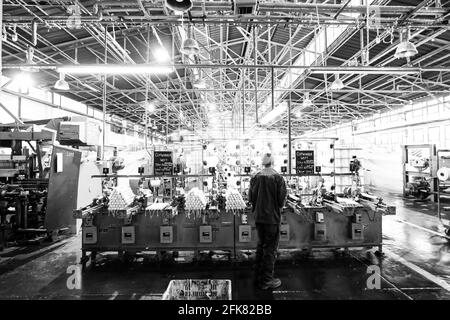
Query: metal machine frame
<point x="440" y="185"/>
<point x="303" y="228"/>
<point x="407" y="174"/>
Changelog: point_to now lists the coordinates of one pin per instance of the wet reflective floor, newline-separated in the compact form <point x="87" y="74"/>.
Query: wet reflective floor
<point x="416" y="265"/>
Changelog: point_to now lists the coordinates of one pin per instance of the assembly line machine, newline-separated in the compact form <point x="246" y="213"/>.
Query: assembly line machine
<point x="324" y="220"/>
<point x="41" y="176"/>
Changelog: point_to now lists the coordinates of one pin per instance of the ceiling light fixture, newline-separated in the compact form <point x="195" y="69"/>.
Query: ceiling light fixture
<point x="23" y="81"/>
<point x="405" y="48"/>
<point x="190" y="45"/>
<point x="14" y="36"/>
<point x="212" y="106"/>
<point x="274" y="113"/>
<point x="337" y="83"/>
<point x="161" y="55"/>
<point x="363" y="70"/>
<point x="179" y="6"/>
<point x="74" y="20"/>
<point x="149" y="106"/>
<point x="62" y="84"/>
<point x="29" y="64"/>
<point x="306" y="101"/>
<point x="115" y="69"/>
<point x="199" y="84"/>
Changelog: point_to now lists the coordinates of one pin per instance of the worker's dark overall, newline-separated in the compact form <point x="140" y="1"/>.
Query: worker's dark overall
<point x="267" y="195"/>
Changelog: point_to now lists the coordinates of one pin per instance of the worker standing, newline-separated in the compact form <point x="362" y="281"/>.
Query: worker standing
<point x="267" y="194"/>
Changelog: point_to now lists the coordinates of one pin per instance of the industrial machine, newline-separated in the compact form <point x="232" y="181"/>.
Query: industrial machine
<point x="443" y="190"/>
<point x="419" y="172"/>
<point x="129" y="222"/>
<point x="39" y="182"/>
<point x="23" y="181"/>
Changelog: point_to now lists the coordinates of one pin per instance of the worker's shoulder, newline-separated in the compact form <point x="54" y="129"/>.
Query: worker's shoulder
<point x="268" y="173"/>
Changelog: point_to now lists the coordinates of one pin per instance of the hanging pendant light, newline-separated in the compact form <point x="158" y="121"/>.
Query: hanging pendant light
<point x="179" y="6"/>
<point x="199" y="83"/>
<point x="405" y="48"/>
<point x="337" y="83"/>
<point x="30" y="61"/>
<point x="14" y="36"/>
<point x="306" y="101"/>
<point x="190" y="45"/>
<point x="62" y="84"/>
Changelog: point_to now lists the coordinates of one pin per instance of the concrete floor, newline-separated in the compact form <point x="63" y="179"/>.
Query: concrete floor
<point x="416" y="266"/>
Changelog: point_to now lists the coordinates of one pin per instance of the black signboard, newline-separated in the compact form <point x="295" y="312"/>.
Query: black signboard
<point x="304" y="161"/>
<point x="163" y="163"/>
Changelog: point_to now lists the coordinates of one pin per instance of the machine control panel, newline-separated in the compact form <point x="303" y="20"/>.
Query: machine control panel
<point x="89" y="235"/>
<point x="128" y="235"/>
<point x="284" y="232"/>
<point x="205" y="234"/>
<point x="357" y="231"/>
<point x="245" y="233"/>
<point x="166" y="234"/>
<point x="320" y="232"/>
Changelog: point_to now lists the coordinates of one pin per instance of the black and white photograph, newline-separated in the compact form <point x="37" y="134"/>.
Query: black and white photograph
<point x="231" y="156"/>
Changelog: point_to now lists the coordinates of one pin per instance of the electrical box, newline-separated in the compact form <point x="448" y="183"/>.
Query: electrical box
<point x="82" y="132"/>
<point x="284" y="232"/>
<point x="166" y="234"/>
<point x="319" y="217"/>
<point x="205" y="234"/>
<point x="89" y="235"/>
<point x="320" y="232"/>
<point x="357" y="231"/>
<point x="128" y="235"/>
<point x="358" y="218"/>
<point x="245" y="233"/>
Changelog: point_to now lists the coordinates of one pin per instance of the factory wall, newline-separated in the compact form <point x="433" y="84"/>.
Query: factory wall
<point x="39" y="104"/>
<point x="382" y="135"/>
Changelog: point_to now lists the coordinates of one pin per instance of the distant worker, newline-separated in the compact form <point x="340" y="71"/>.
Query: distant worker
<point x="267" y="194"/>
<point x="355" y="166"/>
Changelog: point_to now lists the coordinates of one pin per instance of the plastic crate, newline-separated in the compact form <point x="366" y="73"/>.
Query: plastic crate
<point x="210" y="289"/>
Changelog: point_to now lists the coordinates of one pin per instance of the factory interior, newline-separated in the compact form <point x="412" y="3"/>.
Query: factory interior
<point x="130" y="132"/>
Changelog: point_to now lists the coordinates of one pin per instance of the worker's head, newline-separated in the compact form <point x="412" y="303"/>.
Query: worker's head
<point x="267" y="160"/>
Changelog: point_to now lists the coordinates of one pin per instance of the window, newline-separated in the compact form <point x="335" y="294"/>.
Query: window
<point x="434" y="135"/>
<point x="418" y="136"/>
